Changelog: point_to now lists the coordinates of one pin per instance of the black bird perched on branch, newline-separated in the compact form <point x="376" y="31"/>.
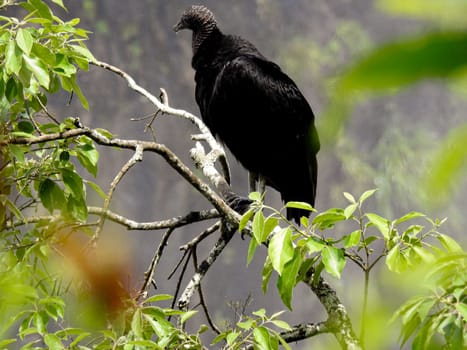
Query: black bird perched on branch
<point x="254" y="108"/>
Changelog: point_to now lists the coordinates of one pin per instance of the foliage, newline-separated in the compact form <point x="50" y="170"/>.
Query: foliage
<point x="404" y="244"/>
<point x="58" y="292"/>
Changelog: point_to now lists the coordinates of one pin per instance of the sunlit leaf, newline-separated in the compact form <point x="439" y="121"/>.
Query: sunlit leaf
<point x="24" y="40"/>
<point x="13" y="58"/>
<point x="287" y="280"/>
<point x="258" y="226"/>
<point x="280" y="249"/>
<point x="381" y="224"/>
<point x="333" y="260"/>
<point x="38" y="69"/>
<point x="245" y="218"/>
<point x="395" y="260"/>
<point x="300" y="205"/>
<point x="352" y="239"/>
<point x="187" y="315"/>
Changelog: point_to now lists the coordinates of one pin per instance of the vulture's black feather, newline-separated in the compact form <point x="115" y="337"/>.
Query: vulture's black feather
<point x="254" y="108"/>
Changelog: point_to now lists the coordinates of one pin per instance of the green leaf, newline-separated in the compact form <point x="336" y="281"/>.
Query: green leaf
<point x="395" y="260"/>
<point x="300" y="205"/>
<point x="78" y="92"/>
<point x="352" y="240"/>
<point x="42" y="9"/>
<point x="97" y="189"/>
<point x="282" y="324"/>
<point x="245" y="218"/>
<point x="53" y="342"/>
<point x="38" y="69"/>
<point x="333" y="260"/>
<point x="280" y="249"/>
<point x="51" y="195"/>
<point x="328" y="218"/>
<point x="350" y="209"/>
<point x="77" y="209"/>
<point x="407" y="217"/>
<point x="24" y="40"/>
<point x="288" y="279"/>
<point x="13" y="58"/>
<point x="219" y="337"/>
<point x="260" y="313"/>
<point x="158" y="297"/>
<point x="136" y="324"/>
<point x="462" y="309"/>
<point x="449" y="243"/>
<point x="246" y="324"/>
<point x="59" y="3"/>
<point x="269" y="225"/>
<point x="381" y="224"/>
<point x="255" y="196"/>
<point x="187" y="315"/>
<point x="314" y="245"/>
<point x="63" y="66"/>
<point x="43" y="53"/>
<point x="73" y="183"/>
<point x="263" y="340"/>
<point x="82" y="51"/>
<point x="449" y="13"/>
<point x="88" y="157"/>
<point x="424" y="254"/>
<point x="366" y="195"/>
<point x="251" y="251"/>
<point x="266" y="274"/>
<point x="407" y="61"/>
<point x="230" y="338"/>
<point x="349" y="197"/>
<point x="258" y="226"/>
<point x="447" y="166"/>
<point x="5" y="342"/>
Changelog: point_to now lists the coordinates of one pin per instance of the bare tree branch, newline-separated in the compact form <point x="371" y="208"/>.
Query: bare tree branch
<point x="146" y="146"/>
<point x="163" y="106"/>
<point x="192" y="217"/>
<point x="227" y="234"/>
<point x="338" y="321"/>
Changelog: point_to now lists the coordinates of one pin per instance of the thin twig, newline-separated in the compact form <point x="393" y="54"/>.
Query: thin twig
<point x="137" y="157"/>
<point x="180" y="279"/>
<point x="206" y="233"/>
<point x="227" y="234"/>
<point x="149" y="274"/>
<point x="206" y="311"/>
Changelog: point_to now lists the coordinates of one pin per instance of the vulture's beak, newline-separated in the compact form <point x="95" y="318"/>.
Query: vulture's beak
<point x="178" y="27"/>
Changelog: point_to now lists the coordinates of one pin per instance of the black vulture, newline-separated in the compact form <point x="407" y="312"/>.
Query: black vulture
<point x="254" y="108"/>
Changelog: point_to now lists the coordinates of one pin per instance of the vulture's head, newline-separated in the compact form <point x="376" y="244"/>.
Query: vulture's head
<point x="197" y="18"/>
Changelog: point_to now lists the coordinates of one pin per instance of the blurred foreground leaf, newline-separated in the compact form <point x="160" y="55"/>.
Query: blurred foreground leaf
<point x="435" y="55"/>
<point x="450" y="12"/>
<point x="448" y="166"/>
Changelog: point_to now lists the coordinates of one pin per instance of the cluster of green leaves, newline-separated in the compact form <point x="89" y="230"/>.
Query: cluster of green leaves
<point x="40" y="53"/>
<point x="404" y="243"/>
<point x="146" y="326"/>
<point x="255" y="329"/>
<point x="443" y="311"/>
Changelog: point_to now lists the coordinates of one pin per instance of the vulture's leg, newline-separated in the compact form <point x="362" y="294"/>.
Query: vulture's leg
<point x="261" y="184"/>
<point x="252" y="179"/>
